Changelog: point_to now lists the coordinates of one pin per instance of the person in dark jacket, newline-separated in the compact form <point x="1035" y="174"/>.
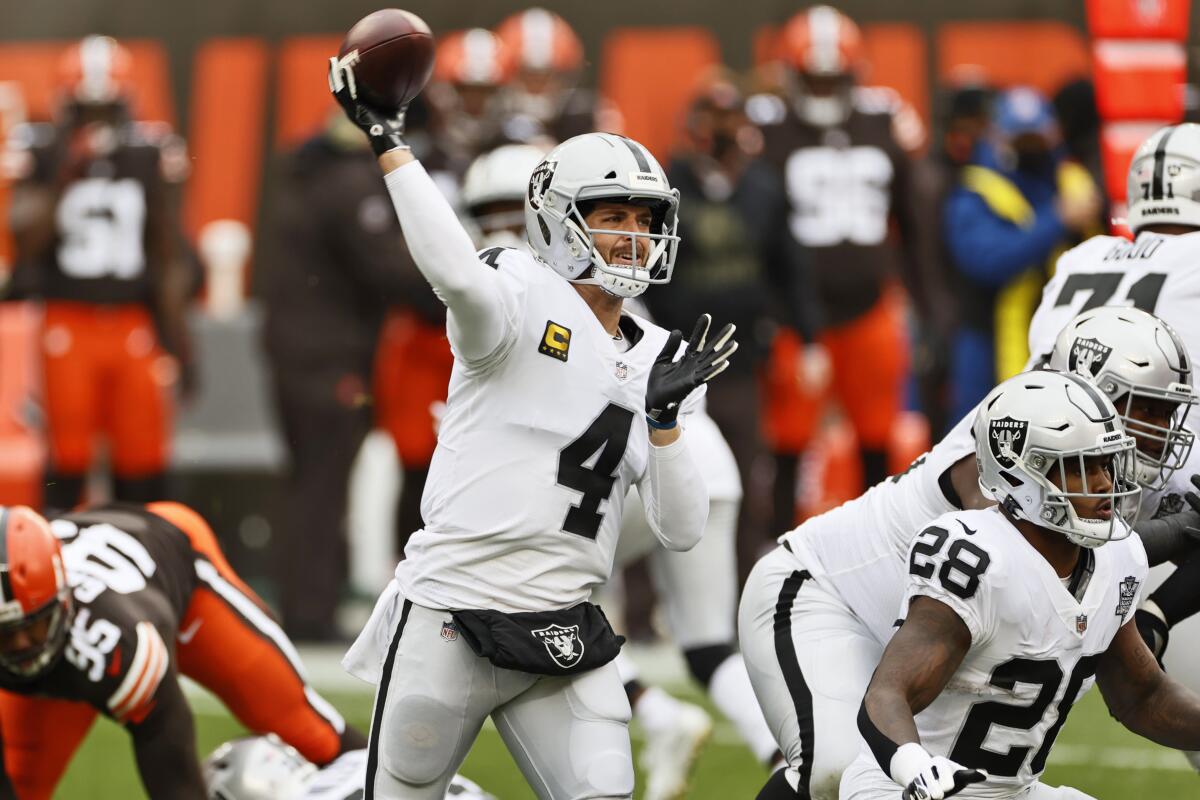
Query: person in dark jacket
<point x="335" y="261"/>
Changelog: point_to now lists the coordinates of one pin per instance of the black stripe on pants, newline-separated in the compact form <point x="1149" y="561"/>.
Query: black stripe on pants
<point x="380" y="702"/>
<point x="785" y="651"/>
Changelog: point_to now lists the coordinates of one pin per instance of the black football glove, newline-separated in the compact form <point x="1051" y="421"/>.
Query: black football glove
<point x="671" y="381"/>
<point x="384" y="128"/>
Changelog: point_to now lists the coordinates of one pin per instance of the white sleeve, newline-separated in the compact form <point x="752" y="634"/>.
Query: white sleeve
<point x="674" y="496"/>
<point x="482" y="311"/>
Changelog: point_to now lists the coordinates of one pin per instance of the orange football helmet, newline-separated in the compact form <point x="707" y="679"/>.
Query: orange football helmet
<point x="542" y="41"/>
<point x="96" y="70"/>
<point x="475" y="57"/>
<point x="824" y="49"/>
<point x="35" y="599"/>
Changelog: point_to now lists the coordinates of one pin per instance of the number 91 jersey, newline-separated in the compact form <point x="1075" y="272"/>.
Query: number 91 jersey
<point x="536" y="452"/>
<point x="1034" y="645"/>
<point x="1156" y="273"/>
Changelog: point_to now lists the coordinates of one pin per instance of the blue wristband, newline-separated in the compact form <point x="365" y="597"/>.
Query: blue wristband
<point x="658" y="426"/>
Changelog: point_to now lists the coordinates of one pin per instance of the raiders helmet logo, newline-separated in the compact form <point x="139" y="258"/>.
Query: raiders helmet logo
<point x="539" y="183"/>
<point x="1087" y="357"/>
<point x="1006" y="437"/>
<point x="562" y="644"/>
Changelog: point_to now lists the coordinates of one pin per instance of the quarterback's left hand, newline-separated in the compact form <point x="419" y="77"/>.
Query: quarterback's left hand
<point x="384" y="128"/>
<point x="672" y="381"/>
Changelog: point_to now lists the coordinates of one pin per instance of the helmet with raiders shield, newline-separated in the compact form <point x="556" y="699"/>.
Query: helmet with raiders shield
<point x="589" y="168"/>
<point x="35" y="599"/>
<point x="1142" y="366"/>
<point x="257" y="768"/>
<point x="1038" y="431"/>
<point x="1164" y="179"/>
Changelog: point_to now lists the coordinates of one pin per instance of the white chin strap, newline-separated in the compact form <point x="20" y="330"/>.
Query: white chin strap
<point x="621" y="287"/>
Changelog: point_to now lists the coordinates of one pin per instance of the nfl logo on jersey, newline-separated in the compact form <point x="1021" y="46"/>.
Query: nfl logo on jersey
<point x="449" y="632"/>
<point x="1081" y="624"/>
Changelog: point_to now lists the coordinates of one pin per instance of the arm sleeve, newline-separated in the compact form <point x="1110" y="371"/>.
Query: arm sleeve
<point x="164" y="744"/>
<point x="482" y="313"/>
<point x="992" y="250"/>
<point x="674" y="496"/>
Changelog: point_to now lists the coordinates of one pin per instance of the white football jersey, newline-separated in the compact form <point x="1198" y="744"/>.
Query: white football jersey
<point x="860" y="546"/>
<point x="1156" y="273"/>
<point x="537" y="448"/>
<point x="1034" y="647"/>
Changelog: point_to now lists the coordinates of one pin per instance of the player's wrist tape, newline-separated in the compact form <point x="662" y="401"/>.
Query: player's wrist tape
<point x="660" y="426"/>
<point x="895" y="760"/>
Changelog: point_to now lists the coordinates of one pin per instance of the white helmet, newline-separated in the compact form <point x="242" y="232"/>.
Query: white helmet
<point x="257" y="768"/>
<point x="499" y="176"/>
<point x="601" y="166"/>
<point x="1128" y="353"/>
<point x="1029" y="429"/>
<point x="1164" y="178"/>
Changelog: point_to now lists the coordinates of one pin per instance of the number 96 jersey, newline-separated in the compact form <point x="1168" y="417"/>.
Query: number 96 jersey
<point x="1156" y="273"/>
<point x="1034" y="645"/>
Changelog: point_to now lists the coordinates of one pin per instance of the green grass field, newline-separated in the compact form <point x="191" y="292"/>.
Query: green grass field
<point x="1093" y="754"/>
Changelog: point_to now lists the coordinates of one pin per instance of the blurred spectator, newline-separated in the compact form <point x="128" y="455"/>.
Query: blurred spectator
<point x="469" y="70"/>
<point x="844" y="153"/>
<point x="1018" y="202"/>
<point x="544" y="99"/>
<point x="738" y="263"/>
<point x="1079" y="119"/>
<point x="334" y="259"/>
<point x="95" y="219"/>
<point x="965" y="118"/>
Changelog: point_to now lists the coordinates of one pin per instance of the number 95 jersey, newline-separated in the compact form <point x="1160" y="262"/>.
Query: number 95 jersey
<point x="1156" y="273"/>
<point x="1034" y="645"/>
<point x="537" y="449"/>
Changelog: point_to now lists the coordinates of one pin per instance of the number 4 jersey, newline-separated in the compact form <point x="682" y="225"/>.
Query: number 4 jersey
<point x="1035" y="640"/>
<point x="537" y="449"/>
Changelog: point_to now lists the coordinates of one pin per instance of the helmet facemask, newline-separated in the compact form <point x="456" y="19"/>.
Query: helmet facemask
<point x="49" y="625"/>
<point x="1160" y="449"/>
<point x="1053" y="472"/>
<point x="652" y="254"/>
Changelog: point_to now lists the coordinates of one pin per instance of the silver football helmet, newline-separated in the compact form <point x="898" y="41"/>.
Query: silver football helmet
<point x="1131" y="356"/>
<point x="1164" y="178"/>
<point x="498" y="178"/>
<point x="601" y="166"/>
<point x="1037" y="429"/>
<point x="257" y="768"/>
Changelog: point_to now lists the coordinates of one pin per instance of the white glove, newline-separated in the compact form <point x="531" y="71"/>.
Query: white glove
<point x="928" y="777"/>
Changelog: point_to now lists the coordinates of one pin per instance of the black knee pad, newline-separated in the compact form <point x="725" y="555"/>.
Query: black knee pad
<point x="703" y="661"/>
<point x="778" y="788"/>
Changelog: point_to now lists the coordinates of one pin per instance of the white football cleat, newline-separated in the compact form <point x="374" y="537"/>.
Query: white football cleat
<point x="671" y="751"/>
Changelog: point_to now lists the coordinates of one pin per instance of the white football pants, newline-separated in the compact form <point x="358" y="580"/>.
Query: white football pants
<point x="810" y="661"/>
<point x="569" y="736"/>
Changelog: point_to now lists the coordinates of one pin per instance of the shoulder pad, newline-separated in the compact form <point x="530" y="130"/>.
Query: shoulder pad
<point x="766" y="109"/>
<point x="875" y="99"/>
<point x="18" y="160"/>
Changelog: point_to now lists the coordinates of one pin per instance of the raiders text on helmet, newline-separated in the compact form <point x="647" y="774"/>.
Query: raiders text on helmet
<point x="1032" y="429"/>
<point x="1164" y="178"/>
<point x="592" y="167"/>
<point x="1129" y="354"/>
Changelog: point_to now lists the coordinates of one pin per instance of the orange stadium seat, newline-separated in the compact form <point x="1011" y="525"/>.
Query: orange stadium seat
<point x="653" y="110"/>
<point x="896" y="55"/>
<point x="24" y="452"/>
<point x="1121" y="19"/>
<point x="302" y="99"/>
<point x="1044" y="55"/>
<point x="227" y="129"/>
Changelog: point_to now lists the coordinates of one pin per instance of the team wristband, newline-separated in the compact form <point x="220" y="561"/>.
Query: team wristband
<point x="658" y="426"/>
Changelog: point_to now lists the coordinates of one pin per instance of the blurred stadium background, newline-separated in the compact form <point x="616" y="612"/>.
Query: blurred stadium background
<point x="244" y="82"/>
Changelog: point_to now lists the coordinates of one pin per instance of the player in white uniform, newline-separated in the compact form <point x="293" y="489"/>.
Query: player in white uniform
<point x="697" y="588"/>
<point x="558" y="403"/>
<point x="854" y="556"/>
<point x="266" y="768"/>
<point x="1011" y="613"/>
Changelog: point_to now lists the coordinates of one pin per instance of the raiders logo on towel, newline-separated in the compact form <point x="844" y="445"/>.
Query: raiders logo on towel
<point x="562" y="644"/>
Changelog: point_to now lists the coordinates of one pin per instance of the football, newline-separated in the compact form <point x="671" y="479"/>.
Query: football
<point x="395" y="56"/>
